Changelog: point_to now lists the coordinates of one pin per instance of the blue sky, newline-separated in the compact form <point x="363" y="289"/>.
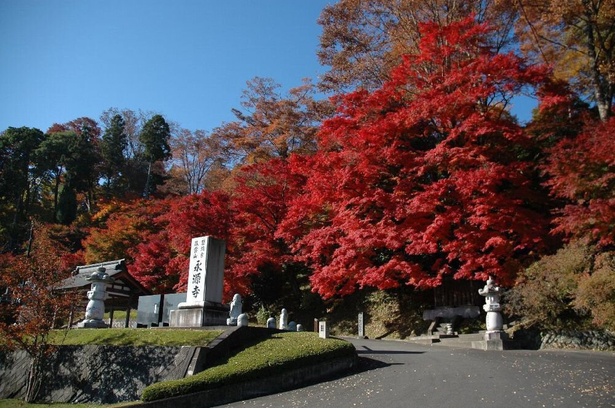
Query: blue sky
<point x="188" y="60"/>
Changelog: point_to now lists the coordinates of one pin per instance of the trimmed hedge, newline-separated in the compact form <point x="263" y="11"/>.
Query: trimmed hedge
<point x="282" y="351"/>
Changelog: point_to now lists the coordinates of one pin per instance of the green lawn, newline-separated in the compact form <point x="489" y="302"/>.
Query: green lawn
<point x="133" y="337"/>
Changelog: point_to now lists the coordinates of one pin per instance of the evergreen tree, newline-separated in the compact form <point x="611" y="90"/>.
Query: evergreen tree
<point x="155" y="137"/>
<point x="113" y="145"/>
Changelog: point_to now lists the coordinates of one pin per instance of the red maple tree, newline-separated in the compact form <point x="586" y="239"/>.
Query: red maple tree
<point x="424" y="177"/>
<point x="161" y="259"/>
<point x="31" y="304"/>
<point x="582" y="170"/>
<point x="262" y="263"/>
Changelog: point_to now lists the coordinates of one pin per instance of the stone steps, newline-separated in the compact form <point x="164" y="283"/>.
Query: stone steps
<point x="460" y="340"/>
<point x="463" y="340"/>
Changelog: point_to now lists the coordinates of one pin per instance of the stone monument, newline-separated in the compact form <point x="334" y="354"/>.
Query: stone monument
<point x="271" y="322"/>
<point x="283" y="324"/>
<point x="203" y="305"/>
<point x="236" y="307"/>
<point x="95" y="310"/>
<point x="495" y="335"/>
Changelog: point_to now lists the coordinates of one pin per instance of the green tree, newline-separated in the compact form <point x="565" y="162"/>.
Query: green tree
<point x="113" y="145"/>
<point x="18" y="182"/>
<point x="66" y="211"/>
<point x="82" y="166"/>
<point x="53" y="154"/>
<point x="155" y="137"/>
<point x="69" y="160"/>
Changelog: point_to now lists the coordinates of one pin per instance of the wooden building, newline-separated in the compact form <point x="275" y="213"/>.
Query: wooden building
<point x="123" y="292"/>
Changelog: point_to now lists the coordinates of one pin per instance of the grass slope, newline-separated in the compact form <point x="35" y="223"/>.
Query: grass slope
<point x="282" y="351"/>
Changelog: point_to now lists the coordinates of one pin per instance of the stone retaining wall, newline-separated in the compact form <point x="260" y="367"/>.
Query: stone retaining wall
<point x="535" y="339"/>
<point x="286" y="380"/>
<point x="93" y="373"/>
<point x="596" y="340"/>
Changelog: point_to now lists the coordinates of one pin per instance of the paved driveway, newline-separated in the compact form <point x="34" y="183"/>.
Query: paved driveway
<point x="405" y="374"/>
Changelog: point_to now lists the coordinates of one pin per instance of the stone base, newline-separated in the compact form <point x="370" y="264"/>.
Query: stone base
<point x="494" y="341"/>
<point x="490" y="345"/>
<point x="92" y="324"/>
<point x="211" y="314"/>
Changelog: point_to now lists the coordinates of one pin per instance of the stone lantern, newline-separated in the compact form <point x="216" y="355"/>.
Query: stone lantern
<point x="494" y="336"/>
<point x="95" y="310"/>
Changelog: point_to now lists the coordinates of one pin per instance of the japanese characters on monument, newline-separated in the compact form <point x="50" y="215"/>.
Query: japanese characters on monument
<point x="196" y="276"/>
<point x="206" y="275"/>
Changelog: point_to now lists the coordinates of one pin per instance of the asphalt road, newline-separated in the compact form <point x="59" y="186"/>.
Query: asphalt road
<point x="404" y="374"/>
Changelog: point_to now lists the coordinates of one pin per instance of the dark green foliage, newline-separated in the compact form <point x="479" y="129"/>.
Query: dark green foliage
<point x="155" y="137"/>
<point x="69" y="159"/>
<point x="82" y="161"/>
<point x="18" y="182"/>
<point x="66" y="211"/>
<point x="112" y="148"/>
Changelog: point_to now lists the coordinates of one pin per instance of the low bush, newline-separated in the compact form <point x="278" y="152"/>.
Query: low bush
<point x="282" y="351"/>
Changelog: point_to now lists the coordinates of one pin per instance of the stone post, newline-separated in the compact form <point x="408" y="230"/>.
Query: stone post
<point x="361" y="325"/>
<point x="323" y="330"/>
<point x="242" y="320"/>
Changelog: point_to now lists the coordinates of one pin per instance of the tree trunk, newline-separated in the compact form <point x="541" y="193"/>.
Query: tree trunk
<point x="148" y="181"/>
<point x="602" y="88"/>
<point x="33" y="383"/>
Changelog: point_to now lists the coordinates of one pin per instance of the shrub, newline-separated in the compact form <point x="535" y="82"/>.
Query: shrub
<point x="596" y="292"/>
<point x="262" y="315"/>
<point x="544" y="292"/>
<point x="565" y="290"/>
